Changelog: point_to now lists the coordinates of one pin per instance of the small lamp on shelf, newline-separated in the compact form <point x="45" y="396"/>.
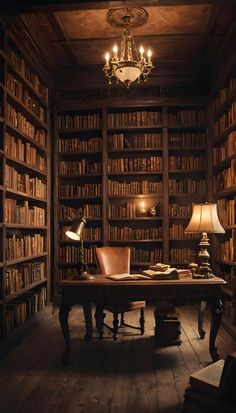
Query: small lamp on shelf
<point x="204" y="220"/>
<point x="76" y="233"/>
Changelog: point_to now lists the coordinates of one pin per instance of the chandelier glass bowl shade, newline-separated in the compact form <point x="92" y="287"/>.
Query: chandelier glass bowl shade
<point x="128" y="66"/>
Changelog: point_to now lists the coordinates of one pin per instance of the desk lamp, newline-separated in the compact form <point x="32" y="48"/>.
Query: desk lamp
<point x="76" y="232"/>
<point x="205" y="220"/>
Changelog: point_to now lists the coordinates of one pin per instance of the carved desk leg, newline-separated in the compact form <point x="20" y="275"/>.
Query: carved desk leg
<point x="99" y="317"/>
<point x="201" y="310"/>
<point x="88" y="320"/>
<point x="216" y="313"/>
<point x="63" y="318"/>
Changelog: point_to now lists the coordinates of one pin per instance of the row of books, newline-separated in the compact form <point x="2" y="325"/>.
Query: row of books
<point x="138" y="118"/>
<point x="72" y="191"/>
<point x="129" y="210"/>
<point x="21" y="65"/>
<point x="227" y="211"/>
<point x="226" y="149"/>
<point x="186" y="139"/>
<point x="134" y="187"/>
<point x="177" y="231"/>
<point x="71" y="254"/>
<point x="150" y="164"/>
<point x="127" y="233"/>
<point x="20" y="212"/>
<point x="18" y="246"/>
<point x="24" y="152"/>
<point x="90" y="234"/>
<point x="89" y="210"/>
<point x="222" y="96"/>
<point x="79" y="121"/>
<point x="19" y="121"/>
<point x="182" y="255"/>
<point x="187" y="117"/>
<point x="20" y="310"/>
<point x="186" y="186"/>
<point x="79" y="144"/>
<point x="23" y="276"/>
<point x="177" y="210"/>
<point x="186" y="162"/>
<point x="21" y="93"/>
<point x="23" y="182"/>
<point x="227" y="178"/>
<point x="138" y="141"/>
<point x="226" y="250"/>
<point x="145" y="255"/>
<point x="79" y="167"/>
<point x="226" y="120"/>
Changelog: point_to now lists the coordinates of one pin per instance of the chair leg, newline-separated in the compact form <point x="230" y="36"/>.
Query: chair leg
<point x="142" y="320"/>
<point x="99" y="317"/>
<point x="122" y="319"/>
<point x="115" y="325"/>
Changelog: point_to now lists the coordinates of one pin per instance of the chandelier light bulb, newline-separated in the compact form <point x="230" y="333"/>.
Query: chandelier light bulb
<point x="141" y="51"/>
<point x="115" y="50"/>
<point x="107" y="57"/>
<point x="149" y="54"/>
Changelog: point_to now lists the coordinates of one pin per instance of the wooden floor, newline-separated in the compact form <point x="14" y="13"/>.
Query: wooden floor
<point x="127" y="376"/>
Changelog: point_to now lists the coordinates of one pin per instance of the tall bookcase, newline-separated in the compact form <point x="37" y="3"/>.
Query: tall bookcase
<point x="223" y="117"/>
<point x="135" y="175"/>
<point x="24" y="188"/>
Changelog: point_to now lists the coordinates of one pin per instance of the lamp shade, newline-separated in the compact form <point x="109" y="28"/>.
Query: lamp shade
<point x="205" y="219"/>
<point x="77" y="229"/>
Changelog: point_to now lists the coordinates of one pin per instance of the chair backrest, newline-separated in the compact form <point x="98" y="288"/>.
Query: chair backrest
<point x="113" y="260"/>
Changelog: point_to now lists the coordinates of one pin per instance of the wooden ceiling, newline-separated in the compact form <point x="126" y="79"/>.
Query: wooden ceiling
<point x="188" y="38"/>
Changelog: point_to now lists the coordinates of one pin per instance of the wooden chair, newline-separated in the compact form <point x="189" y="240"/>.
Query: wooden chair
<point x="116" y="260"/>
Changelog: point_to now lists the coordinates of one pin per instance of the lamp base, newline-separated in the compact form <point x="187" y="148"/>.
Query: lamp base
<point x="84" y="276"/>
<point x="203" y="271"/>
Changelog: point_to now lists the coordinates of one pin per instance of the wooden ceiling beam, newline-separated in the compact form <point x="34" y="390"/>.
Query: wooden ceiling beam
<point x="192" y="36"/>
<point x="60" y="30"/>
<point x="34" y="6"/>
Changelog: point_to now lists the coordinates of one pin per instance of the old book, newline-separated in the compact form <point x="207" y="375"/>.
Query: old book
<point x="208" y="379"/>
<point x="169" y="274"/>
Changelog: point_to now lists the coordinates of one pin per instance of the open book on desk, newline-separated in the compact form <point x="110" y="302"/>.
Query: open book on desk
<point x="169" y="274"/>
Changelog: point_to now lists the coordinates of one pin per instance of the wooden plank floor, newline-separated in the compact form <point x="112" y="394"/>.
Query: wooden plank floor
<point x="127" y="376"/>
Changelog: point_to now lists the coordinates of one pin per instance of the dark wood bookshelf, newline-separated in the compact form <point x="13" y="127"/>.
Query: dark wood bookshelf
<point x="127" y="142"/>
<point x="222" y="114"/>
<point x="35" y="111"/>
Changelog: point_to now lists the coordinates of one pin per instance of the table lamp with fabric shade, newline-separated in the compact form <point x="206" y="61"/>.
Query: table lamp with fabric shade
<point x="204" y="220"/>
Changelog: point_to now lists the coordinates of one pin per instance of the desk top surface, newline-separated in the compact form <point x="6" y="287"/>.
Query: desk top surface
<point x="102" y="280"/>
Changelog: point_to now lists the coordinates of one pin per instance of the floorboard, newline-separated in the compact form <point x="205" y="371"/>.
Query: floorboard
<point x="133" y="375"/>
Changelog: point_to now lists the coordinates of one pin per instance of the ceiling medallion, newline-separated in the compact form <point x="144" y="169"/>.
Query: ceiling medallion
<point x="128" y="66"/>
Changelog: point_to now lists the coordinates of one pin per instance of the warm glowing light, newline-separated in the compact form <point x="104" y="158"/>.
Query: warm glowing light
<point x="141" y="51"/>
<point x="149" y="53"/>
<point x="107" y="57"/>
<point x="115" y="50"/>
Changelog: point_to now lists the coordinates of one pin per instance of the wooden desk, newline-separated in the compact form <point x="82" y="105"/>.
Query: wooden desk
<point x="102" y="290"/>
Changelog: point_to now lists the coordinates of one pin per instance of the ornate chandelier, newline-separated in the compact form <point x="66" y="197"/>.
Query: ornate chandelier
<point x="127" y="67"/>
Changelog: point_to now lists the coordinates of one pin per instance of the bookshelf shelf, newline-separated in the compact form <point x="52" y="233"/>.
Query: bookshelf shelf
<point x="22" y="107"/>
<point x="21" y="291"/>
<point x="22" y="135"/>
<point x="25" y="195"/>
<point x="19" y="226"/>
<point x="19" y="260"/>
<point x="26" y="166"/>
<point x="25" y="151"/>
